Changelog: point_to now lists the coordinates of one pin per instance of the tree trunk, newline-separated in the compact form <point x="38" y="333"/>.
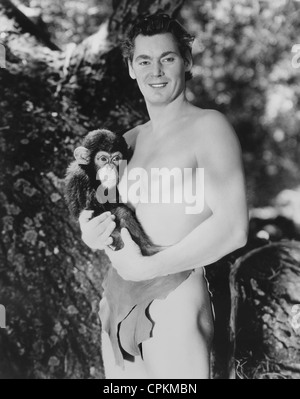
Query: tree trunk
<point x="50" y="282"/>
<point x="265" y="313"/>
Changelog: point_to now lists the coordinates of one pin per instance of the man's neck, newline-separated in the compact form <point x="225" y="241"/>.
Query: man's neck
<point x="163" y="115"/>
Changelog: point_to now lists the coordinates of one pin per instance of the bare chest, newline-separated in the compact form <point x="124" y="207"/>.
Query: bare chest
<point x="160" y="171"/>
<point x="163" y="182"/>
<point x="172" y="151"/>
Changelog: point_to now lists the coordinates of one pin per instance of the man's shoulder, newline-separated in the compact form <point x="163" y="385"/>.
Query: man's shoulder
<point x="214" y="137"/>
<point x="212" y="124"/>
<point x="209" y="116"/>
<point x="132" y="134"/>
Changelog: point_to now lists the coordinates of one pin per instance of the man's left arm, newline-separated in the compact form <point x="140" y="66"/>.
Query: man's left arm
<point x="227" y="228"/>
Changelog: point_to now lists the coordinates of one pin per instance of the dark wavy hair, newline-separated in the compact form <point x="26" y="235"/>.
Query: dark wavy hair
<point x="155" y="25"/>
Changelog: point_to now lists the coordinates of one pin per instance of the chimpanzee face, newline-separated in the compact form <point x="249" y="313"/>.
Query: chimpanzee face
<point x="107" y="168"/>
<point x="103" y="158"/>
<point x="106" y="165"/>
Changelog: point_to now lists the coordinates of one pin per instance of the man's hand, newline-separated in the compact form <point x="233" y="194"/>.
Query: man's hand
<point x="129" y="262"/>
<point x="96" y="232"/>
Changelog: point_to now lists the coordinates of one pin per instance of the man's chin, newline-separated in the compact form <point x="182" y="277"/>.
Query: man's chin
<point x="159" y="98"/>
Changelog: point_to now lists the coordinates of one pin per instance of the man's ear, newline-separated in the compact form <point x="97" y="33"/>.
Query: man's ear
<point x="82" y="155"/>
<point x="131" y="71"/>
<point x="188" y="62"/>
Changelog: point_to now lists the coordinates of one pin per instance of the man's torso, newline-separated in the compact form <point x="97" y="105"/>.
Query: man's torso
<point x="169" y="182"/>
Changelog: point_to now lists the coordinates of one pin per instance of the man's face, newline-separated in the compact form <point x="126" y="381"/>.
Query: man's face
<point x="159" y="68"/>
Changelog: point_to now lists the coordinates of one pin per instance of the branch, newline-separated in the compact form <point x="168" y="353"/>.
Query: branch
<point x="25" y="24"/>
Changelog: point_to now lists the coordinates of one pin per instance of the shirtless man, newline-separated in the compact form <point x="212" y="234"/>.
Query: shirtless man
<point x="178" y="135"/>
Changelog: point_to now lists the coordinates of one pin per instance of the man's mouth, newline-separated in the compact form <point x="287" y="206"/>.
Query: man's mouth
<point x="157" y="85"/>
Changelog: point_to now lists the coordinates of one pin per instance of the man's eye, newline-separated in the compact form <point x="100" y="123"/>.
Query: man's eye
<point x="144" y="63"/>
<point x="170" y="59"/>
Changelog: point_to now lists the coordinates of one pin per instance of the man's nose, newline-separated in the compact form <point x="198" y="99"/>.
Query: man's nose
<point x="157" y="69"/>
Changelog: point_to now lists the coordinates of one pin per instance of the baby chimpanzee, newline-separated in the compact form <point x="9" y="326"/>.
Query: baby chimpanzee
<point x="91" y="184"/>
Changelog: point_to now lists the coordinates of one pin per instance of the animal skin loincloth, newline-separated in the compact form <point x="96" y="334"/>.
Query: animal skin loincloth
<point x="124" y="310"/>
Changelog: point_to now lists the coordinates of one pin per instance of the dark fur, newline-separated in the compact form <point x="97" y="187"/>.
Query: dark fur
<point x="81" y="187"/>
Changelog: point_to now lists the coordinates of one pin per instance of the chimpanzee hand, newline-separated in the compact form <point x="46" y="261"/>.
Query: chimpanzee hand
<point x="129" y="262"/>
<point x="96" y="232"/>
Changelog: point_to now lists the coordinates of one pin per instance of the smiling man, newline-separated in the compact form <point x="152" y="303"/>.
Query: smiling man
<point x="178" y="135"/>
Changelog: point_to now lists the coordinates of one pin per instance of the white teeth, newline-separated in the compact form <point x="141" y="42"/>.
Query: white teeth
<point x="159" y="85"/>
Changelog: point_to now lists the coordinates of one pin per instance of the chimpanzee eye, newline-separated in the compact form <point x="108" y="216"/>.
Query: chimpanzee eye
<point x="117" y="158"/>
<point x="102" y="159"/>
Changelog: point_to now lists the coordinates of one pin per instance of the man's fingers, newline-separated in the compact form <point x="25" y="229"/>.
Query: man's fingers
<point x="96" y="232"/>
<point x="102" y="220"/>
<point x="99" y="219"/>
<point x="85" y="216"/>
<point x="109" y="228"/>
<point x="109" y="241"/>
<point x="104" y="217"/>
<point x="107" y="223"/>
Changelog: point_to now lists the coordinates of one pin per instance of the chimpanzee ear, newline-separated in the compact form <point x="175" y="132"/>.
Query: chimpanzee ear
<point x="82" y="155"/>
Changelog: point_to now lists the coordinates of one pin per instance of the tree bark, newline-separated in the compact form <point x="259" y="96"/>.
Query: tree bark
<point x="50" y="282"/>
<point x="265" y="313"/>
